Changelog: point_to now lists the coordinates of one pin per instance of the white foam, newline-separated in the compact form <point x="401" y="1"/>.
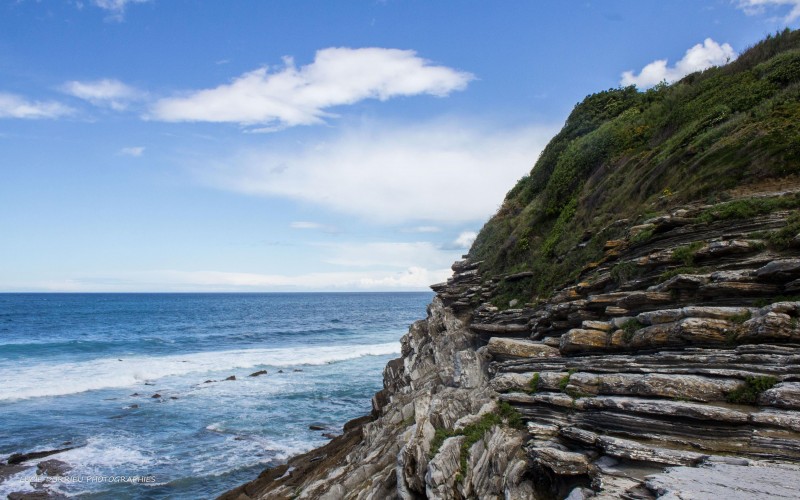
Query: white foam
<point x="39" y="380"/>
<point x="106" y="452"/>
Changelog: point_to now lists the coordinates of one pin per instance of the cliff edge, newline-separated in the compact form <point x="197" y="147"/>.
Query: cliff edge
<point x="626" y="326"/>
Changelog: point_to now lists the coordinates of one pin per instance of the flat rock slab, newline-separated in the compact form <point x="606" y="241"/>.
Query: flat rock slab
<point x="519" y="348"/>
<point x="729" y="482"/>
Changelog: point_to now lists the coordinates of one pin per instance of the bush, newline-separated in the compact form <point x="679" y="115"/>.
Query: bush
<point x="533" y="385"/>
<point x="687" y="253"/>
<point x="752" y="388"/>
<point x="629" y="328"/>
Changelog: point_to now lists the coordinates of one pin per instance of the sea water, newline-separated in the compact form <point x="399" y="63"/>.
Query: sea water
<point x="135" y="383"/>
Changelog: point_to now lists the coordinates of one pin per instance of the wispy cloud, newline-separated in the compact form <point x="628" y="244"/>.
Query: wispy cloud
<point x="412" y="278"/>
<point x="422" y="229"/>
<point x="701" y="56"/>
<point x="289" y="96"/>
<point x="105" y="93"/>
<point x="444" y="171"/>
<point x="393" y="254"/>
<point x="115" y="8"/>
<point x="132" y="151"/>
<point x="14" y="106"/>
<point x="306" y="225"/>
<point x="465" y="239"/>
<point x="755" y="7"/>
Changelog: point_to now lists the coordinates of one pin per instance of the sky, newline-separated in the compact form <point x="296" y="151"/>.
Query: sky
<point x="188" y="146"/>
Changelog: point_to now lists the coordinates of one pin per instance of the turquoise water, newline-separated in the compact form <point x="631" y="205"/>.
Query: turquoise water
<point x="82" y="369"/>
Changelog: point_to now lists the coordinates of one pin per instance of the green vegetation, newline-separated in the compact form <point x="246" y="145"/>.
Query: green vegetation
<point x="782" y="238"/>
<point x="475" y="432"/>
<point x="624" y="271"/>
<point x="533" y="385"/>
<point x="629" y="328"/>
<point x="642" y="237"/>
<point x="623" y="153"/>
<point x="564" y="381"/>
<point x="743" y="209"/>
<point x="687" y="253"/>
<point x="752" y="388"/>
<point x="683" y="270"/>
<point x="738" y="319"/>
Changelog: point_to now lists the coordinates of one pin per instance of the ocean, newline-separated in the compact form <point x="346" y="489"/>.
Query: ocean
<point x="136" y="384"/>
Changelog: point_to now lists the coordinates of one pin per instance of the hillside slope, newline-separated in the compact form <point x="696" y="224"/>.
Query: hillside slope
<point x="626" y="326"/>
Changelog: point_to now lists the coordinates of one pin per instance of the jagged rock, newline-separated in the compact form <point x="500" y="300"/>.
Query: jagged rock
<point x="783" y="395"/>
<point x="52" y="467"/>
<point x="782" y="270"/>
<point x="563" y="463"/>
<point x="518" y="348"/>
<point x="440" y="478"/>
<point x="18" y="458"/>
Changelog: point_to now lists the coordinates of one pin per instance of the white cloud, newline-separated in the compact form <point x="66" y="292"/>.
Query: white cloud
<point x="115" y="8"/>
<point x="465" y="239"/>
<point x="14" y="106"/>
<point x="755" y="7"/>
<point x="305" y="225"/>
<point x="291" y="96"/>
<point x="700" y="57"/>
<point x="401" y="255"/>
<point x="132" y="151"/>
<point x="433" y="172"/>
<point x="423" y="229"/>
<point x="107" y="92"/>
<point x="412" y="278"/>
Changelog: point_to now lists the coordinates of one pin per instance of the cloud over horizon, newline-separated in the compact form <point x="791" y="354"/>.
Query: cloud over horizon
<point x="434" y="172"/>
<point x="701" y="56"/>
<point x="14" y="106"/>
<point x="289" y="96"/>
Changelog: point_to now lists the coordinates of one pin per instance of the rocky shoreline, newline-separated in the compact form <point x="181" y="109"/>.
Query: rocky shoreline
<point x="672" y="369"/>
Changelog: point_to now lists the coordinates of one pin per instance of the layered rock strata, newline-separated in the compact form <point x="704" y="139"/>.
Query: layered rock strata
<point x="672" y="367"/>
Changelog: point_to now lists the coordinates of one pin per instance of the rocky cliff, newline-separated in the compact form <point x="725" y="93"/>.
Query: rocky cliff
<point x="587" y="347"/>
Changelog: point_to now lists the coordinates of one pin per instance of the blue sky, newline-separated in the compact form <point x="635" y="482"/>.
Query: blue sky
<point x="306" y="145"/>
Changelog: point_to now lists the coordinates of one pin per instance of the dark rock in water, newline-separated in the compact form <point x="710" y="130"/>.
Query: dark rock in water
<point x="173" y="397"/>
<point x="6" y="471"/>
<point x="135" y="394"/>
<point x="133" y="407"/>
<point x="232" y="377"/>
<point x="258" y="373"/>
<point x="209" y="381"/>
<point x="156" y="395"/>
<point x="330" y="435"/>
<point x="149" y="383"/>
<point x="317" y="427"/>
<point x="18" y="458"/>
<point x="280" y="371"/>
<point x="52" y="467"/>
<point x="33" y="495"/>
<point x="297" y="370"/>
